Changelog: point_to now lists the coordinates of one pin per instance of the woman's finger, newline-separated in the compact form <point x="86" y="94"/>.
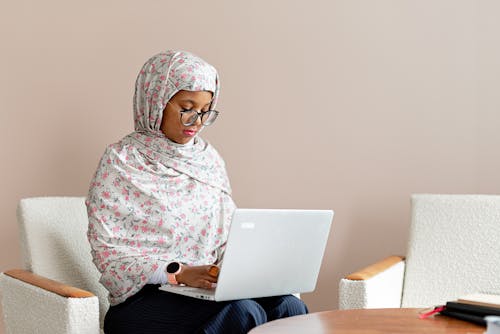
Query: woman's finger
<point x="210" y="278"/>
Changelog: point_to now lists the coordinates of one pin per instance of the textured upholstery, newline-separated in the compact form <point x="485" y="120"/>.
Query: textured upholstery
<point x="54" y="244"/>
<point x="453" y="250"/>
<point x="380" y="291"/>
<point x="28" y="309"/>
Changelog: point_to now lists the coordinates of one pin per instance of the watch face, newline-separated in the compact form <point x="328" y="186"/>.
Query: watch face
<point x="173" y="267"/>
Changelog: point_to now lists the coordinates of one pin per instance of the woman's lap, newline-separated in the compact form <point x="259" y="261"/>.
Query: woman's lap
<point x="155" y="311"/>
<point x="282" y="306"/>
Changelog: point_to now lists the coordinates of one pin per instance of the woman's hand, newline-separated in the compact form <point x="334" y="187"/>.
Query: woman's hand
<point x="198" y="276"/>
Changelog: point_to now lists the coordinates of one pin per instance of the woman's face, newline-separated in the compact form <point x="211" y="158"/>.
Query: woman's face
<point x="171" y="124"/>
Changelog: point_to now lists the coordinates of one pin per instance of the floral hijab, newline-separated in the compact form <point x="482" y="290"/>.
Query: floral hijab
<point x="153" y="201"/>
<point x="161" y="77"/>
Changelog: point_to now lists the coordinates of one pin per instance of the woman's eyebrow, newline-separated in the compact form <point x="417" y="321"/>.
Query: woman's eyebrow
<point x="193" y="102"/>
<point x="187" y="101"/>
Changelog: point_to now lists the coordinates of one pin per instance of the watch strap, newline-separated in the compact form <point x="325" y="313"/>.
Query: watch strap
<point x="171" y="279"/>
<point x="171" y="276"/>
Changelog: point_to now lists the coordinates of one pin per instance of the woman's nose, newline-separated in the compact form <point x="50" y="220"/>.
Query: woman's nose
<point x="198" y="121"/>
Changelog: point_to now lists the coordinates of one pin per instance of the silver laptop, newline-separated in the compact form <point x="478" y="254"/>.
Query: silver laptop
<point x="268" y="253"/>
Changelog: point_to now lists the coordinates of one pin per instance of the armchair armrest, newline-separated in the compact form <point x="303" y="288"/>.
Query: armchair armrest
<point x="35" y="304"/>
<point x="379" y="285"/>
<point x="48" y="284"/>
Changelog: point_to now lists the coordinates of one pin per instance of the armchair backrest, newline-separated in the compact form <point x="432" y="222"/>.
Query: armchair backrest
<point x="454" y="248"/>
<point x="54" y="243"/>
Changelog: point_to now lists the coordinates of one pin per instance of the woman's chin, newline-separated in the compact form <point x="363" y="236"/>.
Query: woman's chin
<point x="182" y="140"/>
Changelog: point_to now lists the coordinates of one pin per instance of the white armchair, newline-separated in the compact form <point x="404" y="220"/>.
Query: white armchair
<point x="59" y="289"/>
<point x="454" y="249"/>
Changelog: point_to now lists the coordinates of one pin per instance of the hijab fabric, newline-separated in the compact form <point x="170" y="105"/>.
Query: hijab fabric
<point x="153" y="201"/>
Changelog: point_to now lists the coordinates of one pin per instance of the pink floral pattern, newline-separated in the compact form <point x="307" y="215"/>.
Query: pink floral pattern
<point x="153" y="201"/>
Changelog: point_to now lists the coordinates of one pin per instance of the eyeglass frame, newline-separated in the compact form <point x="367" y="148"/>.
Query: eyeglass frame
<point x="198" y="115"/>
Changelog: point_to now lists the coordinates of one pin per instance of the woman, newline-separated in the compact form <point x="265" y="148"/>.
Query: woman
<point x="160" y="201"/>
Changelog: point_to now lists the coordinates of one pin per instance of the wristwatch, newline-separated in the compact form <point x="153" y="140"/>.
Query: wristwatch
<point x="173" y="268"/>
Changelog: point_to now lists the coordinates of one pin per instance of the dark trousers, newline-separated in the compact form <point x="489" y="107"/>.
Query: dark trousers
<point x="155" y="311"/>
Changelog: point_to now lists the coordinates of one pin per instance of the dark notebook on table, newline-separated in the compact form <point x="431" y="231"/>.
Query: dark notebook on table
<point x="473" y="308"/>
<point x="468" y="312"/>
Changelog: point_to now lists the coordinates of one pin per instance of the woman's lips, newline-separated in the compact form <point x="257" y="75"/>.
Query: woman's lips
<point x="189" y="133"/>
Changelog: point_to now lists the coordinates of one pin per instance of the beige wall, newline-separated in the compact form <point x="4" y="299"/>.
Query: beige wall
<point x="349" y="105"/>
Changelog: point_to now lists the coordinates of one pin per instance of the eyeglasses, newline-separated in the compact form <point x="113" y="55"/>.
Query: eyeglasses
<point x="189" y="117"/>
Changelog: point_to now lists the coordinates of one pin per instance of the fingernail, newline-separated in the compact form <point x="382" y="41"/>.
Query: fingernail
<point x="213" y="271"/>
